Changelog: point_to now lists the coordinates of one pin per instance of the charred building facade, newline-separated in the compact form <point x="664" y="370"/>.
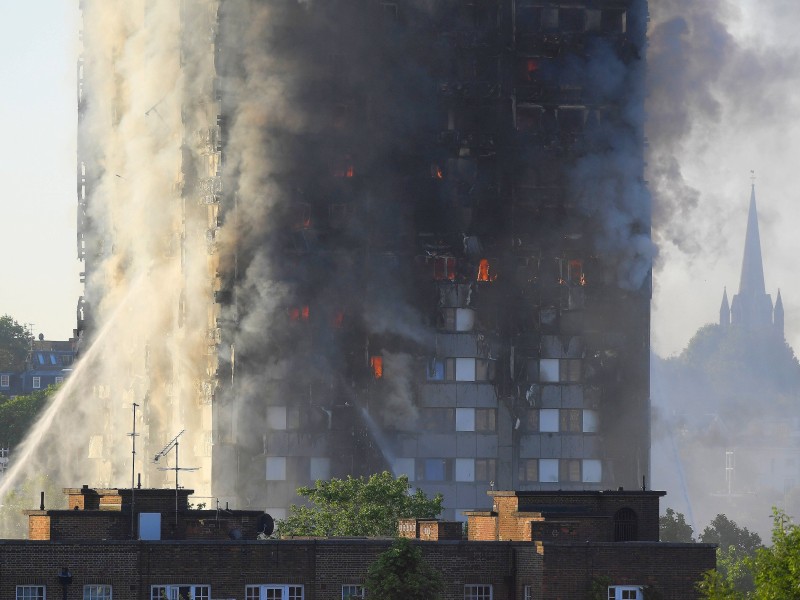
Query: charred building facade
<point x="401" y="235"/>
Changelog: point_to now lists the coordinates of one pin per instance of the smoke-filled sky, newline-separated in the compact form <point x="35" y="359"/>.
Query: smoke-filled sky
<point x="722" y="102"/>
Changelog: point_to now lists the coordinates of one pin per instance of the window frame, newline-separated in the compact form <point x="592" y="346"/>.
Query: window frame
<point x="477" y="591"/>
<point x="167" y="588"/>
<point x="615" y="592"/>
<point x="39" y="592"/>
<point x="5" y="381"/>
<point x="286" y="591"/>
<point x="359" y="588"/>
<point x="59" y="380"/>
<point x="97" y="591"/>
<point x="36" y="383"/>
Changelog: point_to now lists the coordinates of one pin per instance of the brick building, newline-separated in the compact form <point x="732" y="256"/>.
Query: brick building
<point x="217" y="554"/>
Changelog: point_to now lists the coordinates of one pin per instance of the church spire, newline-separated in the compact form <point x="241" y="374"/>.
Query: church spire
<point x="752" y="280"/>
<point x="725" y="310"/>
<point x="752" y="306"/>
<point x="778" y="315"/>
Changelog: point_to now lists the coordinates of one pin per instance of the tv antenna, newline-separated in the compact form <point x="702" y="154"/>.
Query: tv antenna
<point x="133" y="435"/>
<point x="173" y="443"/>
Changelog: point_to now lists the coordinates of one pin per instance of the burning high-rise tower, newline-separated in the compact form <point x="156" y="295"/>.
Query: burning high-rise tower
<point x="335" y="237"/>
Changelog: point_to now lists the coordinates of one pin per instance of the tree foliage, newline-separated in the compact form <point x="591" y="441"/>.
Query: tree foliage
<point x="728" y="534"/>
<point x="15" y="343"/>
<point x="358" y="507"/>
<point x="18" y="414"/>
<point x="674" y="528"/>
<point x="401" y="573"/>
<point x="767" y="573"/>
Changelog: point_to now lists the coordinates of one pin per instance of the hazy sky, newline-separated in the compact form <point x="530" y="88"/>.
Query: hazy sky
<point x="743" y="121"/>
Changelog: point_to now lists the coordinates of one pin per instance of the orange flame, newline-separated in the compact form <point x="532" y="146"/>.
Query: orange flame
<point x="483" y="271"/>
<point x="299" y="313"/>
<point x="436" y="172"/>
<point x="376" y="362"/>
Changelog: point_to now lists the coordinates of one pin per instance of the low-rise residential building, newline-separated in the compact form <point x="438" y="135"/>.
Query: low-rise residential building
<point x="530" y="546"/>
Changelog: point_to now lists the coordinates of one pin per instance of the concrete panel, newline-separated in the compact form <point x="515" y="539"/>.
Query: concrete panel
<point x="572" y="446"/>
<point x="476" y="394"/>
<point x="572" y="396"/>
<point x="591" y="446"/>
<point x="466" y="444"/>
<point x="486" y="446"/>
<point x="406" y="445"/>
<point x="551" y="445"/>
<point x="277" y="443"/>
<point x="436" y="445"/>
<point x="530" y="446"/>
<point x="551" y="396"/>
<point x="456" y="345"/>
<point x="438" y="395"/>
<point x="467" y="495"/>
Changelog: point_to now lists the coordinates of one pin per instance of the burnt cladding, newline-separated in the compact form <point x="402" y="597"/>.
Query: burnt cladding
<point x="441" y="263"/>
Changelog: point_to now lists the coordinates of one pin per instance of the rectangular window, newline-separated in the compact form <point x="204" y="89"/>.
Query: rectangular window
<point x="465" y="419"/>
<point x="97" y="592"/>
<point x="485" y="420"/>
<point x="485" y="469"/>
<point x="59" y="380"/>
<point x="30" y="592"/>
<point x="528" y="470"/>
<point x="590" y="421"/>
<point x="180" y="592"/>
<point x="37" y="383"/>
<point x="548" y="420"/>
<point x="570" y="470"/>
<point x="276" y="468"/>
<point x="532" y="420"/>
<point x="435" y="371"/>
<point x="465" y="369"/>
<point x="570" y="371"/>
<point x="4" y="381"/>
<point x="528" y="592"/>
<point x="320" y="468"/>
<point x="273" y="592"/>
<point x="352" y="592"/>
<point x="478" y="592"/>
<point x="625" y="592"/>
<point x="434" y="469"/>
<point x="465" y="469"/>
<point x="592" y="470"/>
<point x="548" y="470"/>
<point x="571" y="420"/>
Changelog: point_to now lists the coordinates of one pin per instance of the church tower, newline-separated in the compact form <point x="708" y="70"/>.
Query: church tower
<point x="752" y="307"/>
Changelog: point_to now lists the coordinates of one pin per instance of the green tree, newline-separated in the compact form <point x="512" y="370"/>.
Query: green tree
<point x="18" y="414"/>
<point x="15" y="343"/>
<point x="674" y="528"/>
<point x="358" y="507"/>
<point x="728" y="534"/>
<point x="401" y="573"/>
<point x="776" y="569"/>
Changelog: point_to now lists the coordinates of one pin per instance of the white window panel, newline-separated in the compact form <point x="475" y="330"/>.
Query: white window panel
<point x="548" y="420"/>
<point x="30" y="592"/>
<point x="276" y="468"/>
<point x="97" y="592"/>
<point x="625" y="592"/>
<point x="465" y="419"/>
<point x="404" y="466"/>
<point x="592" y="471"/>
<point x="591" y="421"/>
<point x="276" y="417"/>
<point x="465" y="469"/>
<point x="320" y="468"/>
<point x="37" y="383"/>
<point x="352" y="591"/>
<point x="465" y="319"/>
<point x="478" y="592"/>
<point x="548" y="470"/>
<point x="4" y="380"/>
<point x="465" y="369"/>
<point x="180" y="592"/>
<point x="548" y="370"/>
<point x="273" y="592"/>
